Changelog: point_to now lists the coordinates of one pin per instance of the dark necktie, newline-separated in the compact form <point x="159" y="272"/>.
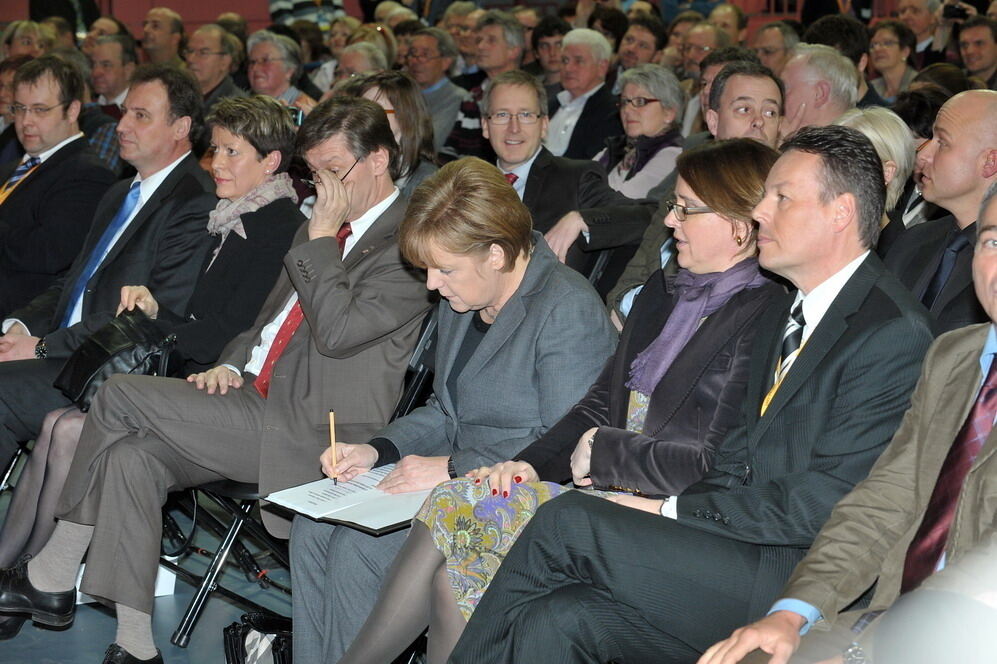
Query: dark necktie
<point x="945" y="267"/>
<point x="792" y="340"/>
<point x="511" y="178"/>
<point x="289" y="327"/>
<point x="112" y="110"/>
<point x="22" y="169"/>
<point x="101" y="249"/>
<point x="928" y="544"/>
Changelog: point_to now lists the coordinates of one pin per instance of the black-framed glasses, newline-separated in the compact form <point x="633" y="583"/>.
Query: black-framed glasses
<point x="682" y="212"/>
<point x="37" y="111"/>
<point x="200" y="52"/>
<point x="342" y="179"/>
<point x="636" y="102"/>
<point x="505" y="117"/>
<point x="423" y="56"/>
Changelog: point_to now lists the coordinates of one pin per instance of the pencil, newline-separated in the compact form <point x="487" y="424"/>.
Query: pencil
<point x="332" y="443"/>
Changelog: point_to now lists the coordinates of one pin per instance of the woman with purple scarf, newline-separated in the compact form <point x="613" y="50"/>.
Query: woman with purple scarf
<point x="646" y="429"/>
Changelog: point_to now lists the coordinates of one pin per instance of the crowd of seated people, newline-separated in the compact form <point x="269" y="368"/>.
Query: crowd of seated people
<point x="792" y="228"/>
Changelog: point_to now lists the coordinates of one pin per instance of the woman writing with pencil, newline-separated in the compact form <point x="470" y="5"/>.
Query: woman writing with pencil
<point x="520" y="338"/>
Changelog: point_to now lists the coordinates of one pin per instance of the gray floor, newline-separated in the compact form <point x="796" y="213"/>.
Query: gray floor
<point x="94" y="627"/>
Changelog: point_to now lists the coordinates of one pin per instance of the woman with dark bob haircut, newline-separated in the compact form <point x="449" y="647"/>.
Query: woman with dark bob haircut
<point x="520" y="336"/>
<point x="252" y="226"/>
<point x="400" y="97"/>
<point x="647" y="426"/>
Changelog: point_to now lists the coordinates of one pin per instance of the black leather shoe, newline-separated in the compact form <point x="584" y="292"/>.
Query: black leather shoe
<point x="17" y="595"/>
<point x="10" y="626"/>
<point x="117" y="655"/>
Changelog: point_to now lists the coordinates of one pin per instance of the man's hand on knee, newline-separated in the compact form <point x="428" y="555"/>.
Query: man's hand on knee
<point x="218" y="379"/>
<point x="777" y="634"/>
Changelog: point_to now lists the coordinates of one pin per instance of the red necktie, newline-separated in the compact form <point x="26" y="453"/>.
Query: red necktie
<point x="112" y="110"/>
<point x="511" y="177"/>
<point x="928" y="544"/>
<point x="289" y="327"/>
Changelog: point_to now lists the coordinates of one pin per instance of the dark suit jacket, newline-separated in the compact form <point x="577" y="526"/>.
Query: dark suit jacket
<point x="865" y="540"/>
<point x="163" y="248"/>
<point x="535" y="361"/>
<point x="599" y="120"/>
<point x="689" y="413"/>
<point x="42" y="9"/>
<point x="10" y="147"/>
<point x="914" y="258"/>
<point x="556" y="186"/>
<point x="45" y="219"/>
<point x="777" y="476"/>
<point x="228" y="296"/>
<point x="362" y="318"/>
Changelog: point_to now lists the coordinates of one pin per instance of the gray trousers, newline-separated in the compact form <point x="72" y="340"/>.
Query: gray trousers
<point x="144" y="437"/>
<point x="336" y="575"/>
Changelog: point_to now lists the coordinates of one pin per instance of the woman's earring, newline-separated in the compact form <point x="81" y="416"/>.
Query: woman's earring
<point x="739" y="240"/>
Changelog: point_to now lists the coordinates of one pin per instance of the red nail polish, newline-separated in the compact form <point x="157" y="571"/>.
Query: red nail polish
<point x="518" y="479"/>
<point x="494" y="492"/>
<point x="477" y="481"/>
<point x="505" y="494"/>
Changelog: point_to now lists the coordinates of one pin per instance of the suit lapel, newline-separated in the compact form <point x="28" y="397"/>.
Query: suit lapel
<point x="381" y="232"/>
<point x="451" y="337"/>
<point x="535" y="180"/>
<point x="24" y="189"/>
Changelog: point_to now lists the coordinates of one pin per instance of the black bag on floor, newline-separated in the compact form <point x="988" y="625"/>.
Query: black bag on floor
<point x="260" y="638"/>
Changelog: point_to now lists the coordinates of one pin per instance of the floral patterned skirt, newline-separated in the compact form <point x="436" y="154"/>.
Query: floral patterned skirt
<point x="474" y="529"/>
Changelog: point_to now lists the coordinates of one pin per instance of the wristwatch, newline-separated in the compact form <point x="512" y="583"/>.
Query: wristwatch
<point x="41" y="349"/>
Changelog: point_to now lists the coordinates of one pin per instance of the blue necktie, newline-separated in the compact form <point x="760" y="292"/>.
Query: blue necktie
<point x="21" y="170"/>
<point x="945" y="268"/>
<point x="103" y="245"/>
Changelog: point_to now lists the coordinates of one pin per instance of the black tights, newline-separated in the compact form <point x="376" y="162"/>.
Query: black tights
<point x="31" y="513"/>
<point x="415" y="595"/>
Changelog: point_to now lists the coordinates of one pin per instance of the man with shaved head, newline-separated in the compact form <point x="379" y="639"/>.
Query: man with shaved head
<point x="934" y="259"/>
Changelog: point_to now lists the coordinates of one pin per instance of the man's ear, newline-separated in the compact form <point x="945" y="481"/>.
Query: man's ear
<point x="379" y="161"/>
<point x="712" y="121"/>
<point x="846" y="212"/>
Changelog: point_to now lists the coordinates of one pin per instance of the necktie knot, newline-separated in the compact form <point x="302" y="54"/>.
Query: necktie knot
<point x="344" y="232"/>
<point x="511" y="177"/>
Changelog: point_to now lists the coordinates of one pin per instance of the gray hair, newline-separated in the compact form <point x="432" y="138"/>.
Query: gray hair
<point x="127" y="44"/>
<point x="375" y="56"/>
<point x="661" y="83"/>
<point x="290" y="51"/>
<point x="790" y="37"/>
<point x="892" y="140"/>
<point x="459" y="8"/>
<point x="933" y="6"/>
<point x="444" y="42"/>
<point x="597" y="44"/>
<point x="512" y="29"/>
<point x="988" y="198"/>
<point x="828" y="64"/>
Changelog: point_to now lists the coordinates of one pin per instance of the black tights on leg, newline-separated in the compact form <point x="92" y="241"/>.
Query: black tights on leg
<point x="411" y="598"/>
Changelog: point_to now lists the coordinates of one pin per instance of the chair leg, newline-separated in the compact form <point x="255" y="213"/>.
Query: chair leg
<point x="5" y="482"/>
<point x="181" y="637"/>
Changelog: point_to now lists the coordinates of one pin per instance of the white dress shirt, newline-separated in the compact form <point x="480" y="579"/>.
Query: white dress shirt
<point x="563" y="122"/>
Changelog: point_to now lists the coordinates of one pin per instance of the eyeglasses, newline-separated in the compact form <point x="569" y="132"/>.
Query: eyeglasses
<point x="524" y="117"/>
<point x="201" y="52"/>
<point x="263" y="62"/>
<point x="884" y="44"/>
<point x="336" y="173"/>
<point x="636" y="102"/>
<point x="767" y="50"/>
<point x="37" y="111"/>
<point x="686" y="48"/>
<point x="421" y="55"/>
<point x="682" y="212"/>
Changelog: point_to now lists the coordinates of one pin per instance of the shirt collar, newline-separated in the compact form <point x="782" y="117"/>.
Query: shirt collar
<point x="52" y="150"/>
<point x="565" y="97"/>
<point x="117" y="101"/>
<point x="989" y="350"/>
<point x="367" y="219"/>
<point x="149" y="185"/>
<point x="435" y="86"/>
<point x="819" y="300"/>
<point x="522" y="172"/>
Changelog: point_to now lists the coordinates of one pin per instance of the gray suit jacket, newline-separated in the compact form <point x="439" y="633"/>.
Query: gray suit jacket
<point x="362" y="317"/>
<point x="541" y="354"/>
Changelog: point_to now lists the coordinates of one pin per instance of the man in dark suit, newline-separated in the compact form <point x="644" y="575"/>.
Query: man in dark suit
<point x="148" y="231"/>
<point x="210" y="52"/>
<point x="569" y="199"/>
<point x="336" y="332"/>
<point x="54" y="187"/>
<point x="584" y="114"/>
<point x="649" y="580"/>
<point x="934" y="259"/>
<point x="938" y="476"/>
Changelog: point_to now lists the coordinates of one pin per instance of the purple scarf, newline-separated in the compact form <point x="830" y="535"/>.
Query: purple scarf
<point x="696" y="296"/>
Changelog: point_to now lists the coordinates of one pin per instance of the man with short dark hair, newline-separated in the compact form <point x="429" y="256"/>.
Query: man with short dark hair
<point x="640" y="44"/>
<point x="211" y="53"/>
<point x="978" y="47"/>
<point x="548" y="37"/>
<point x="162" y="36"/>
<point x="773" y="43"/>
<point x="642" y="580"/>
<point x="431" y="55"/>
<point x="48" y="197"/>
<point x="336" y="332"/>
<point x="114" y="60"/>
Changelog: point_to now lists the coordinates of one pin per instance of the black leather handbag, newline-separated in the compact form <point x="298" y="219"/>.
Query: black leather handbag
<point x="130" y="343"/>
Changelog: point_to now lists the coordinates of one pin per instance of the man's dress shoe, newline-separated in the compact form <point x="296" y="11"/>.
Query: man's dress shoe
<point x="10" y="626"/>
<point x="117" y="655"/>
<point x="17" y="595"/>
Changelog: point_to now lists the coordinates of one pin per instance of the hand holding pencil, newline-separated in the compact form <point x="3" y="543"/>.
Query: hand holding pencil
<point x="343" y="461"/>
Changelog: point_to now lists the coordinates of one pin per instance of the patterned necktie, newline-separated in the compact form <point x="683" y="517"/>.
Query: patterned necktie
<point x="511" y="177"/>
<point x="101" y="249"/>
<point x="289" y="327"/>
<point x="792" y="339"/>
<point x="928" y="544"/>
<point x="22" y="170"/>
<point x="945" y="267"/>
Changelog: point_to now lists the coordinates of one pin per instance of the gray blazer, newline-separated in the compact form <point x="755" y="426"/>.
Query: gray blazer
<point x="539" y="357"/>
